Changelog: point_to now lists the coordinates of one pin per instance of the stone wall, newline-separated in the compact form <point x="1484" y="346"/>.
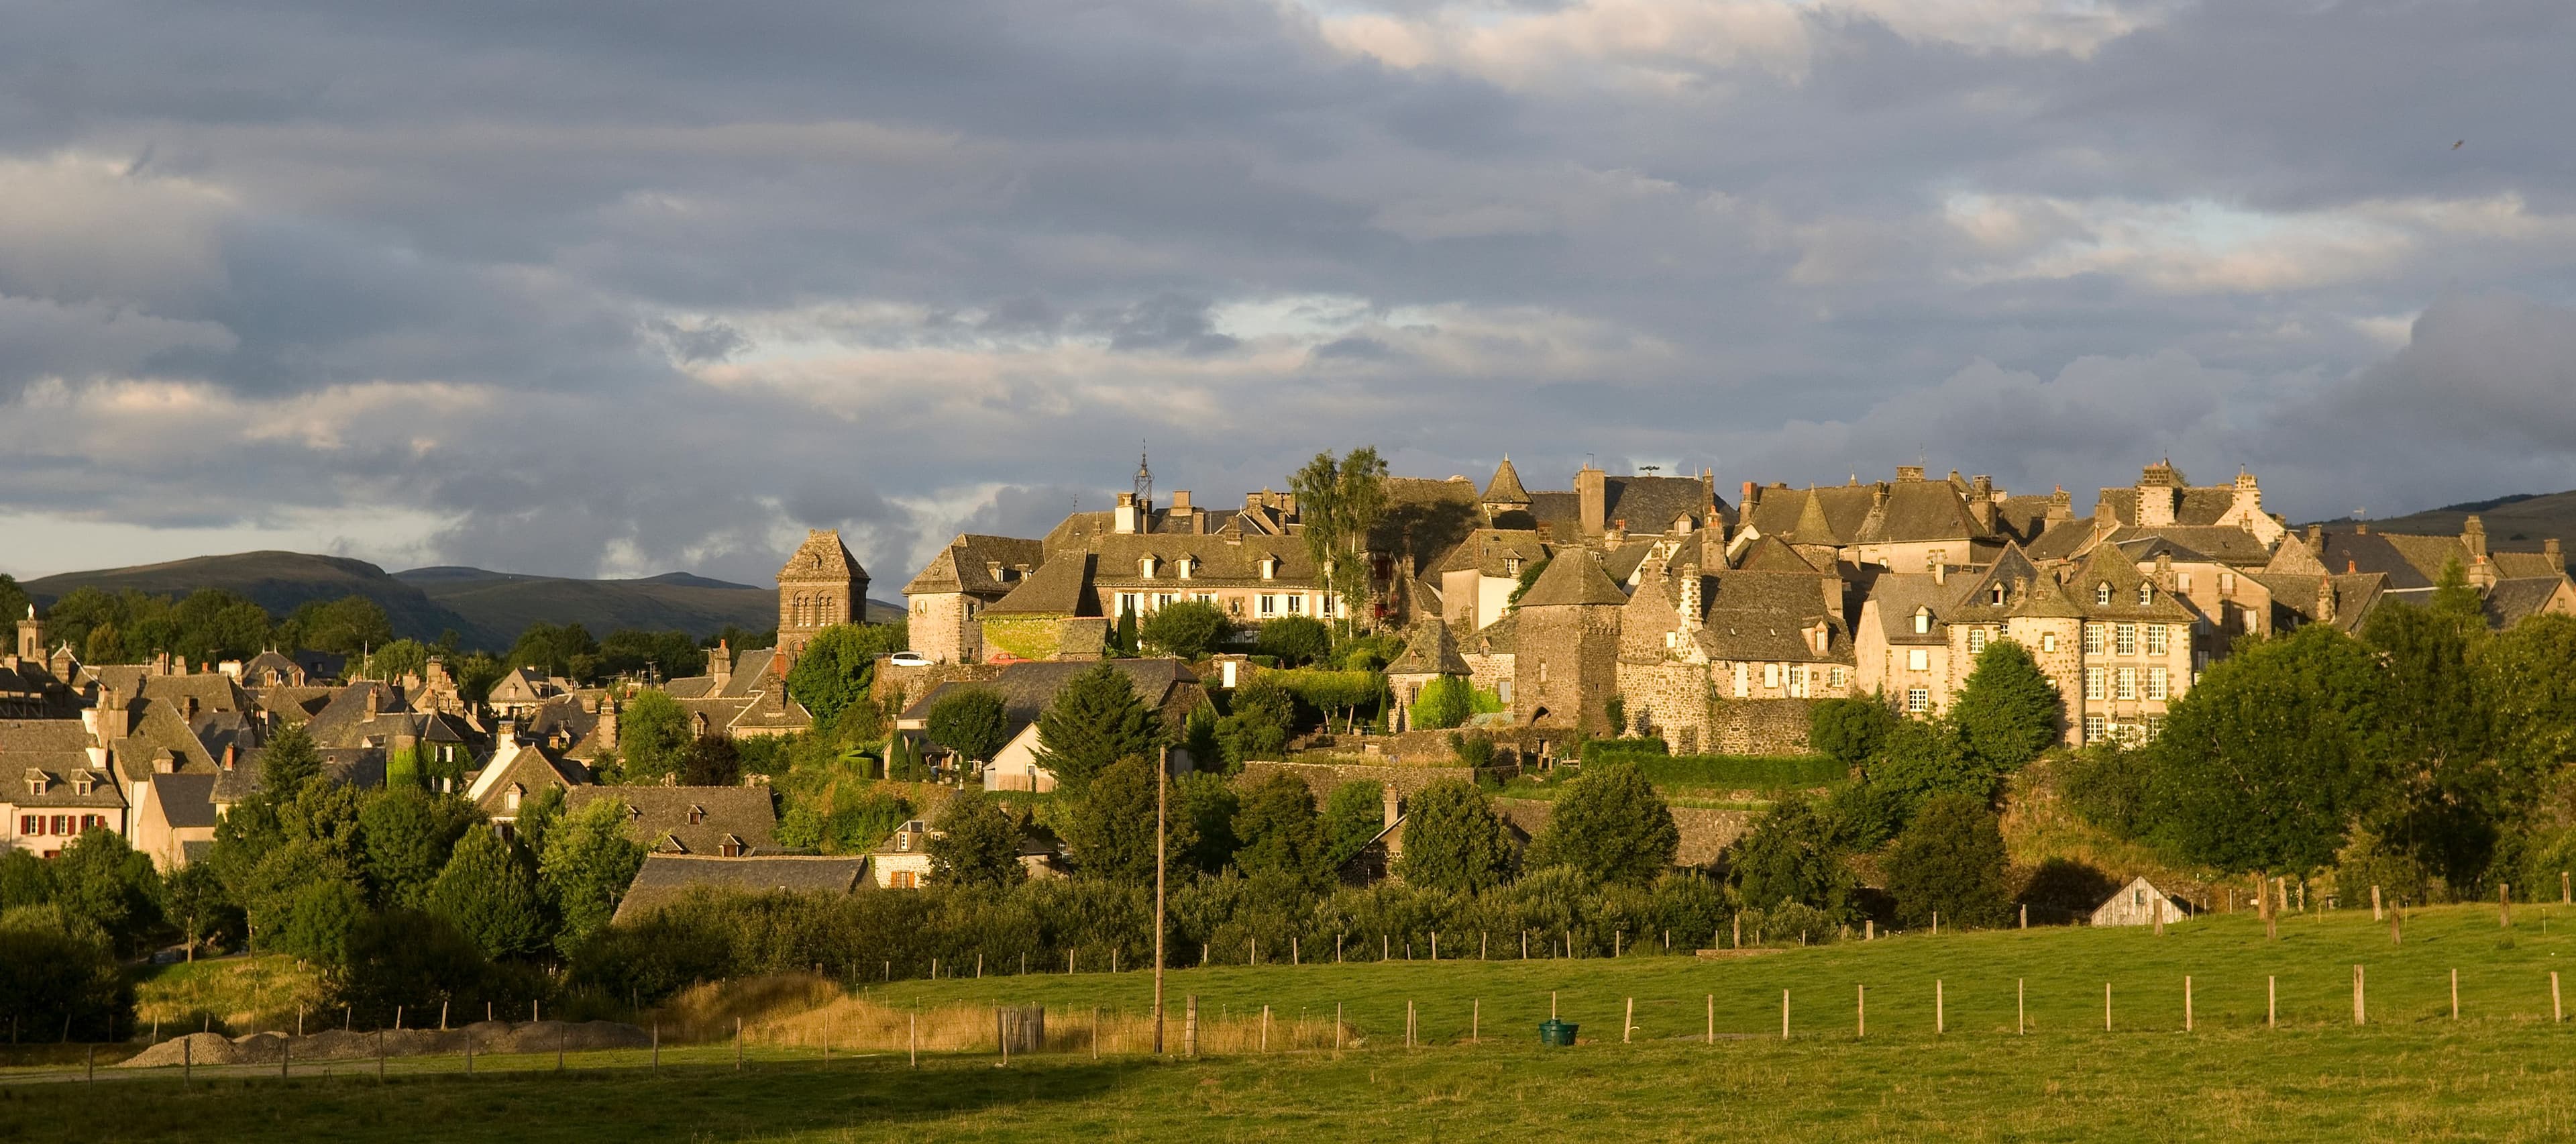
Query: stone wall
<point x="1324" y="778"/>
<point x="1028" y="637"/>
<point x="1565" y="665"/>
<point x="1761" y="727"/>
<point x="1673" y="699"/>
<point x="911" y="683"/>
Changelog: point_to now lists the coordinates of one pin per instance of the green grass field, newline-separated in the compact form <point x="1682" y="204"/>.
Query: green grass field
<point x="2499" y="1072"/>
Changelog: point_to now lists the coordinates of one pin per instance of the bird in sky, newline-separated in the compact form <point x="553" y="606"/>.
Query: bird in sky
<point x="2456" y="146"/>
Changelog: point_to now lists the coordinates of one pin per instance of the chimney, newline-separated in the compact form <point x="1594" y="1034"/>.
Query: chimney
<point x="1125" y="520"/>
<point x="1690" y="604"/>
<point x="114" y="721"/>
<point x="2549" y="548"/>
<point x="2349" y="568"/>
<point x="1592" y="493"/>
<point x="608" y="725"/>
<point x="188" y="706"/>
<point x="1981" y="502"/>
<point x="1181" y="500"/>
<point x="1877" y="498"/>
<point x="2361" y="528"/>
<point x="1617" y="533"/>
<point x="1746" y="503"/>
<point x="2165" y="572"/>
<point x="1940" y="571"/>
<point x="2325" y="600"/>
<point x="2317" y="539"/>
<point x="31" y="636"/>
<point x="2473" y="536"/>
<point x="1909" y="473"/>
<point x="720" y="665"/>
<point x="505" y="732"/>
<point x="372" y="701"/>
<point x="2061" y="504"/>
<point x="1394" y="806"/>
<point x="228" y="756"/>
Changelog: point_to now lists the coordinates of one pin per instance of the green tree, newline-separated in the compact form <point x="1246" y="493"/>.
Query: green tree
<point x="1112" y="835"/>
<point x="585" y="868"/>
<point x="288" y="764"/>
<point x="2446" y="797"/>
<point x="653" y="735"/>
<point x="319" y="917"/>
<point x="1122" y="640"/>
<point x="346" y="626"/>
<point x="1922" y="758"/>
<point x="1444" y="703"/>
<point x="1850" y="731"/>
<point x="2528" y="675"/>
<point x="1277" y="830"/>
<point x="394" y="660"/>
<point x="1295" y="640"/>
<point x="568" y="651"/>
<point x="1950" y="862"/>
<point x="1353" y="814"/>
<point x="14" y="602"/>
<point x="839" y="664"/>
<point x="2007" y="712"/>
<point x="25" y="880"/>
<point x="1453" y="840"/>
<point x="62" y="976"/>
<point x="970" y="721"/>
<point x="1789" y="856"/>
<point x="1095" y="720"/>
<point x="974" y="842"/>
<point x="713" y="760"/>
<point x="1610" y="824"/>
<point x="1263" y="717"/>
<point x="196" y="901"/>
<point x="1340" y="500"/>
<point x="2457" y="600"/>
<point x="101" y="880"/>
<point x="1528" y="579"/>
<point x="661" y="655"/>
<point x="1186" y="628"/>
<point x="538" y="816"/>
<point x="2270" y="757"/>
<point x="408" y="836"/>
<point x="489" y="893"/>
<point x="1207" y="802"/>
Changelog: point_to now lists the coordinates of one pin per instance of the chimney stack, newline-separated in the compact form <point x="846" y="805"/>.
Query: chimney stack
<point x="1592" y="495"/>
<point x="2325" y="600"/>
<point x="1690" y="605"/>
<point x="2549" y="548"/>
<point x="1394" y="807"/>
<point x="1909" y="473"/>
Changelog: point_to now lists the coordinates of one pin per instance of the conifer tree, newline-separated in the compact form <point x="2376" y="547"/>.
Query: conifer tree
<point x="1095" y="721"/>
<point x="489" y="893"/>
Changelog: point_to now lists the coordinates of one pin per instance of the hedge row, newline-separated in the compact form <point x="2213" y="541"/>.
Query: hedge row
<point x="1596" y="750"/>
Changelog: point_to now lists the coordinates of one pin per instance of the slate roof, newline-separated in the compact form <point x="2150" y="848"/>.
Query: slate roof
<point x="2222" y="544"/>
<point x="530" y="766"/>
<point x="1560" y="513"/>
<point x="1765" y="616"/>
<point x="659" y="815"/>
<point x="1651" y="504"/>
<point x="1573" y="578"/>
<point x="822" y="556"/>
<point x="1489" y="552"/>
<point x="58" y="750"/>
<point x="1831" y="514"/>
<point x="1918" y="511"/>
<point x="1900" y="594"/>
<point x="1432" y="650"/>
<point x="257" y="669"/>
<point x="1220" y="561"/>
<point x="1424" y="519"/>
<point x="187" y="801"/>
<point x="967" y="565"/>
<point x="1621" y="563"/>
<point x="1060" y="587"/>
<point x="1502" y="637"/>
<point x="2355" y="595"/>
<point x="2509" y="601"/>
<point x="665" y="878"/>
<point x="2064" y="540"/>
<point x="2108" y="566"/>
<point x="1771" y="554"/>
<point x="1027" y="688"/>
<point x="1505" y="488"/>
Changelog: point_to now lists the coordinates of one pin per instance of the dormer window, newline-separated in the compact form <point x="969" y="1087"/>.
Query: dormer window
<point x="697" y="815"/>
<point x="1824" y="636"/>
<point x="1511" y="565"/>
<point x="1269" y="567"/>
<point x="1188" y="567"/>
<point x="2102" y="592"/>
<point x="83" y="782"/>
<point x="1995" y="595"/>
<point x="1922" y="621"/>
<point x="36" y="781"/>
<point x="731" y="847"/>
<point x="1146" y="567"/>
<point x="903" y="841"/>
<point x="510" y="801"/>
<point x="2146" y="595"/>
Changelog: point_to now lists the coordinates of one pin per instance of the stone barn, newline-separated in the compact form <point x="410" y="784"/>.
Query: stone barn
<point x="2136" y="904"/>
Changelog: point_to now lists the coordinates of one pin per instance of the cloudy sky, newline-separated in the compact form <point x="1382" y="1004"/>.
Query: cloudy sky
<point x="622" y="288"/>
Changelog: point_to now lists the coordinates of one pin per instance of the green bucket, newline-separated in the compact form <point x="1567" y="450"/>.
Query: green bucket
<point x="1557" y="1033"/>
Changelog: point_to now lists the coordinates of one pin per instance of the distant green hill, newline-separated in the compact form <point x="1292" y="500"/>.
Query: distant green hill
<point x="277" y="581"/>
<point x="488" y="609"/>
<point x="2515" y="523"/>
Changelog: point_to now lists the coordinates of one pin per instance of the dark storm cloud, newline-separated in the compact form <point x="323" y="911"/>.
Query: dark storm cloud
<point x="625" y="287"/>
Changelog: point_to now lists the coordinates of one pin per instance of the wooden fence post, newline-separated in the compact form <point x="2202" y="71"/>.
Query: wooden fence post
<point x="2374" y="904"/>
<point x="1190" y="1027"/>
<point x="1860" y="1012"/>
<point x="2021" y="1023"/>
<point x="1476" y="1019"/>
<point x="2455" y="994"/>
<point x="2271" y="1002"/>
<point x="2186" y="1002"/>
<point x="1712" y="1018"/>
<point x="1628" y="1024"/>
<point x="915" y="1041"/>
<point x="2106" y="1006"/>
<point x="2025" y="915"/>
<point x="1784" y="1014"/>
<point x="2555" y="1013"/>
<point x="1940" y="1008"/>
<point x="2356" y="995"/>
<point x="2504" y="905"/>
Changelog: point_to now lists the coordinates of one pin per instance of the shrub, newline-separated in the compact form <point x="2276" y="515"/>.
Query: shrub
<point x="1610" y="824"/>
<point x="2107" y="785"/>
<point x="1453" y="840"/>
<point x="1295" y="640"/>
<point x="1604" y="750"/>
<point x="1739" y="772"/>
<point x="1790" y="856"/>
<point x="1950" y="862"/>
<point x="1186" y="628"/>
<point x="970" y="721"/>
<point x="1444" y="703"/>
<point x="1353" y="814"/>
<point x="1850" y="731"/>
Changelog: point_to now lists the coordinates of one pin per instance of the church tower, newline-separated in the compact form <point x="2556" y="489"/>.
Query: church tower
<point x="821" y="585"/>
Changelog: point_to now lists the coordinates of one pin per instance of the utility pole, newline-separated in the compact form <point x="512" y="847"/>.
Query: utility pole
<point x="1162" y="800"/>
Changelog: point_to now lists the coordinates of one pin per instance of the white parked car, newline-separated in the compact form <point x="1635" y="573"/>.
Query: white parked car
<point x="910" y="659"/>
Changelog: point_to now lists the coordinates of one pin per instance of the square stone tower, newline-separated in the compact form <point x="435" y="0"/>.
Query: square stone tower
<point x="821" y="585"/>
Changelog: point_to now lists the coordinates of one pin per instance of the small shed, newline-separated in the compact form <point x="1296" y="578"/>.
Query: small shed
<point x="2136" y="904"/>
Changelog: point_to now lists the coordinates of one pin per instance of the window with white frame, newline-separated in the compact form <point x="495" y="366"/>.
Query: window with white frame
<point x="1976" y="640"/>
<point x="1269" y="604"/>
<point x="1918" y="699"/>
<point x="1296" y="603"/>
<point x="2093" y="683"/>
<point x="1189" y="566"/>
<point x="1743" y="681"/>
<point x="2048" y="641"/>
<point x="2146" y="594"/>
<point x="2096" y="728"/>
<point x="1841" y="677"/>
<point x="1203" y="597"/>
<point x="2226" y="582"/>
<point x="2155" y="727"/>
<point x="1770" y="675"/>
<point x="1163" y="600"/>
<point x="2102" y="592"/>
<point x="1922" y="621"/>
<point x="2125" y="639"/>
<point x="1269" y="567"/>
<point x="1918" y="659"/>
<point x="2128" y="681"/>
<point x="2157" y="635"/>
<point x="2092" y="639"/>
<point x="2158" y="680"/>
<point x="1328" y="605"/>
<point x="2183" y="580"/>
<point x="1130" y="602"/>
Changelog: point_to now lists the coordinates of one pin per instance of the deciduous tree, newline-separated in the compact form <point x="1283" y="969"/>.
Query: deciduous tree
<point x="1610" y="824"/>
<point x="1950" y="861"/>
<point x="1095" y="720"/>
<point x="1453" y="840"/>
<point x="974" y="842"/>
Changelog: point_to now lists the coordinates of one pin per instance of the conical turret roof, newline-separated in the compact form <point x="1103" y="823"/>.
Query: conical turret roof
<point x="1506" y="488"/>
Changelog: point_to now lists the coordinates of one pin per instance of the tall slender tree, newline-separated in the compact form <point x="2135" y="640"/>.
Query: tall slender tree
<point x="1339" y="500"/>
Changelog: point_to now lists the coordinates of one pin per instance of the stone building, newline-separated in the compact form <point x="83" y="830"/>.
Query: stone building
<point x="821" y="585"/>
<point x="1567" y="649"/>
<point x="948" y="597"/>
